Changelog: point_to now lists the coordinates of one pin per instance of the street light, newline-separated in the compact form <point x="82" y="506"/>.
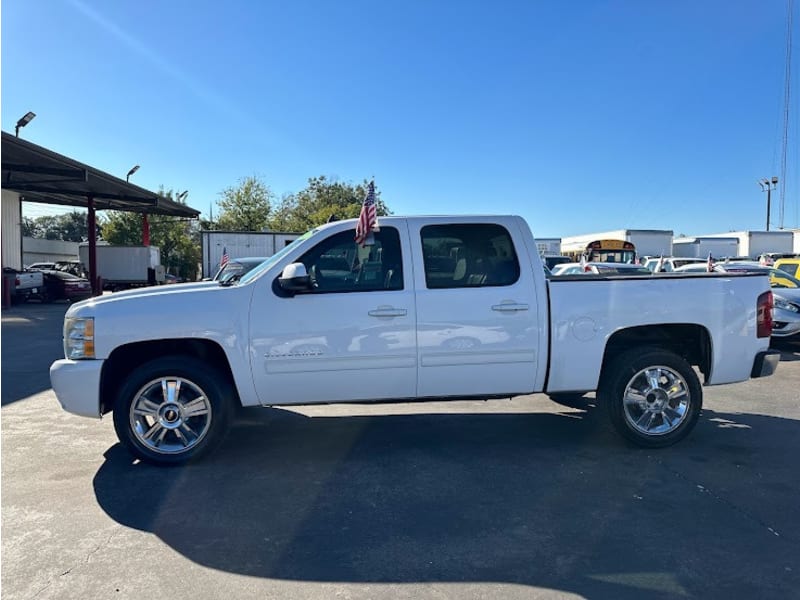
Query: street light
<point x="24" y="121"/>
<point x="131" y="172"/>
<point x="182" y="195"/>
<point x="767" y="185"/>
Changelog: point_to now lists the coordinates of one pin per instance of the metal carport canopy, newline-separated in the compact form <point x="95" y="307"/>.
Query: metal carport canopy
<point x="41" y="175"/>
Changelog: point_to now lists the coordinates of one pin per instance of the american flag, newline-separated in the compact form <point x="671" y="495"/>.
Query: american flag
<point x="224" y="260"/>
<point x="710" y="264"/>
<point x="368" y="217"/>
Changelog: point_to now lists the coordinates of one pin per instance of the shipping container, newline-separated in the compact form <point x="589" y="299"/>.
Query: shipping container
<point x="239" y="244"/>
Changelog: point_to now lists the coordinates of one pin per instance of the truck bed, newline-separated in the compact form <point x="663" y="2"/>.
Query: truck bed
<point x="586" y="310"/>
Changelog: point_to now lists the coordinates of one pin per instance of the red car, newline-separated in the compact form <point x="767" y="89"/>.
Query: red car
<point x="60" y="285"/>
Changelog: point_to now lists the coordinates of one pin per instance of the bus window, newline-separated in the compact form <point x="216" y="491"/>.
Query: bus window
<point x="619" y="251"/>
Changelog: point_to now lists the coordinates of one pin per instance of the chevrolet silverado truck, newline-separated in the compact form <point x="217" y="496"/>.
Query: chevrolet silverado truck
<point x="435" y="308"/>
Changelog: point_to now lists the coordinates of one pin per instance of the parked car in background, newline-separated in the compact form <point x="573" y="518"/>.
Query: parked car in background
<point x="42" y="266"/>
<point x="599" y="268"/>
<point x="60" y="285"/>
<point x="552" y="261"/>
<point x="670" y="263"/>
<point x="237" y="267"/>
<point x="72" y="266"/>
<point x="785" y="292"/>
<point x="68" y="266"/>
<point x="25" y="284"/>
<point x="768" y="259"/>
<point x="790" y="265"/>
<point x="170" y="278"/>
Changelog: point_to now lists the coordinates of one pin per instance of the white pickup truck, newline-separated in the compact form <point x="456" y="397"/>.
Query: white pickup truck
<point x="436" y="308"/>
<point x="25" y="284"/>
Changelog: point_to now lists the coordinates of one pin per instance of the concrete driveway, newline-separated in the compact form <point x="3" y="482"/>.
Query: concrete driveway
<point x="505" y="499"/>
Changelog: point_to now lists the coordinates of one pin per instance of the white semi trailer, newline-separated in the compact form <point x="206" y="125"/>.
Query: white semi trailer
<point x="122" y="267"/>
<point x="755" y="243"/>
<point x="701" y="247"/>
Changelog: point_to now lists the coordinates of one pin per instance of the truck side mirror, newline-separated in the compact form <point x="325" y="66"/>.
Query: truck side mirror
<point x="294" y="278"/>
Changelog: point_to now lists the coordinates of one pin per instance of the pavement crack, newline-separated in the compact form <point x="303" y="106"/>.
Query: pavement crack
<point x="99" y="547"/>
<point x="719" y="498"/>
<point x="38" y="593"/>
<point x="89" y="555"/>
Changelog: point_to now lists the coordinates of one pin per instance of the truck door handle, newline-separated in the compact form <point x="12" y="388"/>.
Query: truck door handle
<point x="388" y="311"/>
<point x="509" y="307"/>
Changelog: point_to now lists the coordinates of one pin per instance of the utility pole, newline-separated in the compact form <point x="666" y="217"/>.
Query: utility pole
<point x="767" y="185"/>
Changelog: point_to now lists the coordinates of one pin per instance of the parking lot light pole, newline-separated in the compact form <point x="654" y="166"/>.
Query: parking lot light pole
<point x="145" y="221"/>
<point x="23" y="121"/>
<point x="133" y="170"/>
<point x="767" y="185"/>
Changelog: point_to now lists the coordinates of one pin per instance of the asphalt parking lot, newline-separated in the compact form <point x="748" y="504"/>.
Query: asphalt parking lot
<point x="520" y="498"/>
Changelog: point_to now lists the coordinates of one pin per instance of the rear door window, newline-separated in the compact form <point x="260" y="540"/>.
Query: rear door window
<point x="468" y="255"/>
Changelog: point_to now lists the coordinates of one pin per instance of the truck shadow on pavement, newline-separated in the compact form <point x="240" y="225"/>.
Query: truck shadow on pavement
<point x="790" y="349"/>
<point x="553" y="500"/>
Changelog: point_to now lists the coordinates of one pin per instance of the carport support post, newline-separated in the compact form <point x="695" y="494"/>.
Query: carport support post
<point x="145" y="230"/>
<point x="91" y="223"/>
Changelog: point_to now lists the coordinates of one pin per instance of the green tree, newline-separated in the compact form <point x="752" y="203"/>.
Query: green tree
<point x="321" y="200"/>
<point x="70" y="227"/>
<point x="245" y="207"/>
<point x="177" y="239"/>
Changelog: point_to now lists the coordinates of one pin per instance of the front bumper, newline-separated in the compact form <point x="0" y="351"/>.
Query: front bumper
<point x="77" y="385"/>
<point x="785" y="328"/>
<point x="765" y="363"/>
<point x="785" y="323"/>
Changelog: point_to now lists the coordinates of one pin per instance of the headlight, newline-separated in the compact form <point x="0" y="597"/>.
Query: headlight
<point x="79" y="338"/>
<point x="781" y="303"/>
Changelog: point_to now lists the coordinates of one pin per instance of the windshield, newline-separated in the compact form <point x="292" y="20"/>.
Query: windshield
<point x="617" y="256"/>
<point x="253" y="274"/>
<point x="781" y="279"/>
<point x="237" y="268"/>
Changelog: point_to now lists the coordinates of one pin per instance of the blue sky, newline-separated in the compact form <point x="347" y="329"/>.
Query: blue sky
<point x="581" y="116"/>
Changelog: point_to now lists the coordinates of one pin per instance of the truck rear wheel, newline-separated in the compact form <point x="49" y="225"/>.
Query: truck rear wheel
<point x="172" y="410"/>
<point x="653" y="396"/>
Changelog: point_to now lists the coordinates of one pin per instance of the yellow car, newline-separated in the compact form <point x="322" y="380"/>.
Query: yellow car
<point x="790" y="265"/>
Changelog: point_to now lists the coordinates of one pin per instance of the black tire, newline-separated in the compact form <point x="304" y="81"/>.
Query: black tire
<point x="653" y="396"/>
<point x="183" y="426"/>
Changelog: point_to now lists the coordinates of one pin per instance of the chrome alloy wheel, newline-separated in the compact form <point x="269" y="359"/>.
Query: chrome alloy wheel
<point x="170" y="415"/>
<point x="656" y="400"/>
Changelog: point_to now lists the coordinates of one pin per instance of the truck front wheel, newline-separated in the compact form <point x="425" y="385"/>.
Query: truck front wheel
<point x="653" y="396"/>
<point x="173" y="409"/>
